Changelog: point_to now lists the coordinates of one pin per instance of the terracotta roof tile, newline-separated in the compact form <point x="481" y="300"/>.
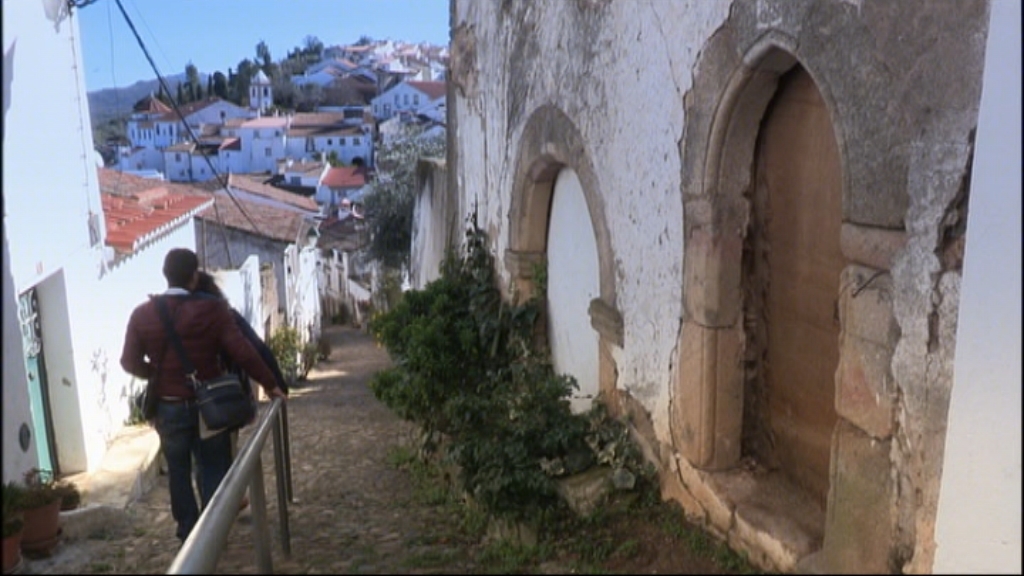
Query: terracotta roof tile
<point x="256" y="185"/>
<point x="345" y="177"/>
<point x="271" y="222"/>
<point x="137" y="219"/>
<point x="434" y="89"/>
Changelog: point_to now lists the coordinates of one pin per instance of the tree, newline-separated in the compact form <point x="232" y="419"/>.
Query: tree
<point x="314" y="47"/>
<point x="392" y="198"/>
<point x="192" y="79"/>
<point x="263" y="57"/>
<point x="246" y="70"/>
<point x="364" y="40"/>
<point x="180" y="95"/>
<point x="220" y="84"/>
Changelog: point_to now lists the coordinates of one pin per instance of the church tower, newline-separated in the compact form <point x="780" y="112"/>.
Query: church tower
<point x="261" y="94"/>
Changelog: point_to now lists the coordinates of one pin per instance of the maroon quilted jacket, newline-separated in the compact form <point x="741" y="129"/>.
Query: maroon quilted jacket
<point x="205" y="327"/>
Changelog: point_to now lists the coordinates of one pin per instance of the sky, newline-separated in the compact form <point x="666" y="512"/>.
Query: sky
<point x="217" y="34"/>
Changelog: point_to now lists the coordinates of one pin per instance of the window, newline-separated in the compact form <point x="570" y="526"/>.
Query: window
<point x="256" y="134"/>
<point x="177" y="157"/>
<point x="406" y="100"/>
<point x="330" y="141"/>
<point x="355" y="141"/>
<point x="341" y="141"/>
<point x="268" y="152"/>
<point x="296" y="180"/>
<point x="223" y="115"/>
<point x="415" y="99"/>
<point x="266" y="92"/>
<point x="396" y="100"/>
<point x="277" y="132"/>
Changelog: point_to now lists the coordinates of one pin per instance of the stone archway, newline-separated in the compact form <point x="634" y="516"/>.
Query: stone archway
<point x="549" y="145"/>
<point x="722" y="403"/>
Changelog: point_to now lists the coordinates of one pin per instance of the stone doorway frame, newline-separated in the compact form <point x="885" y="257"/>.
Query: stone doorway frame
<point x="707" y="409"/>
<point x="734" y="82"/>
<point x="549" y="143"/>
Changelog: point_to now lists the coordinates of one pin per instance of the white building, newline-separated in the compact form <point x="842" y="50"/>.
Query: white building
<point x="261" y="93"/>
<point x="68" y="290"/>
<point x="407" y="97"/>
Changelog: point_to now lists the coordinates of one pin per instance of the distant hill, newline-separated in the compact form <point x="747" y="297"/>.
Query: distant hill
<point x="112" y="103"/>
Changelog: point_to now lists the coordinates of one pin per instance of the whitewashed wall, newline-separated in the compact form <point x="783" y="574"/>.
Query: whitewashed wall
<point x="15" y="391"/>
<point x="99" y="303"/>
<point x="242" y="289"/>
<point x="648" y="256"/>
<point x="573" y="281"/>
<point x="978" y="528"/>
<point x="48" y="111"/>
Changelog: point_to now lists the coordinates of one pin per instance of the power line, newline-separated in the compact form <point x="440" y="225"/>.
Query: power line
<point x="181" y="116"/>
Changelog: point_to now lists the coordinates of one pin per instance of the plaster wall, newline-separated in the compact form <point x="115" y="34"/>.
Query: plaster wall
<point x="16" y="405"/>
<point x="45" y="110"/>
<point x="99" y="302"/>
<point x="601" y="84"/>
<point x="572" y="283"/>
<point x="243" y="290"/>
<point x="978" y="527"/>
<point x="657" y="107"/>
<point x="226" y="248"/>
<point x="436" y="223"/>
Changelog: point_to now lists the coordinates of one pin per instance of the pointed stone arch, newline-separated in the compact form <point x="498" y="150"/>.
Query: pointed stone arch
<point x="550" y="142"/>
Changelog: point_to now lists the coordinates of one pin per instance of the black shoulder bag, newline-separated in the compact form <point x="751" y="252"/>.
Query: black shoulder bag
<point x="224" y="403"/>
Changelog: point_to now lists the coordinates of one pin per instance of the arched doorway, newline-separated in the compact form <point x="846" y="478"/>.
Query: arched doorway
<point x="792" y="266"/>
<point x="573" y="281"/>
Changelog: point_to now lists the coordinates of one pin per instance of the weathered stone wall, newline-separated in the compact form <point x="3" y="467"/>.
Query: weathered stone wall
<point x="657" y="106"/>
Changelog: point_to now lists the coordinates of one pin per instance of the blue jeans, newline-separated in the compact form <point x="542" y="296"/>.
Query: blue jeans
<point x="177" y="423"/>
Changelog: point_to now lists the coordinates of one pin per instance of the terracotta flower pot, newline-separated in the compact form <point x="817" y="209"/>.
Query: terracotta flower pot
<point x="42" y="527"/>
<point x="12" y="552"/>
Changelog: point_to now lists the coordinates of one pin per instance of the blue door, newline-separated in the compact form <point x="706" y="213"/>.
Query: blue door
<point x="38" y="391"/>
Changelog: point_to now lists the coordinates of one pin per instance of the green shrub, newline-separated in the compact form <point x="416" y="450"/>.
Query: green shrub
<point x="466" y="366"/>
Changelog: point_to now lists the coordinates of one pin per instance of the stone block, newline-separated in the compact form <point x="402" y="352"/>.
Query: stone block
<point x="718" y="511"/>
<point x="866" y="297"/>
<point x="708" y="405"/>
<point x="583" y="492"/>
<point x="864" y="387"/>
<point x="673" y="489"/>
<point x="859" y="527"/>
<point x="711" y="278"/>
<point x="521" y="264"/>
<point x="870" y="246"/>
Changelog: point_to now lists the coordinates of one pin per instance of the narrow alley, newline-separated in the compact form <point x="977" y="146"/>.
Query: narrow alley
<point x="353" y="511"/>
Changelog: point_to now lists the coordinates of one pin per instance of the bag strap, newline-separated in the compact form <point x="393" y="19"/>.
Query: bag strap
<point x="190" y="371"/>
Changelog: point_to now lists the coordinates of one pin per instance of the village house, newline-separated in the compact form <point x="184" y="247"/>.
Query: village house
<point x="771" y="273"/>
<point x="76" y="261"/>
<point x="408" y="97"/>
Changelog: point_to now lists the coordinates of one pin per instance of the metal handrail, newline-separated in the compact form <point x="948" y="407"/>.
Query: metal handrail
<point x="202" y="549"/>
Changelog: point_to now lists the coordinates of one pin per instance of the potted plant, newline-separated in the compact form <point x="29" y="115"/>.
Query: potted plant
<point x="70" y="495"/>
<point x="40" y="507"/>
<point x="13" y="525"/>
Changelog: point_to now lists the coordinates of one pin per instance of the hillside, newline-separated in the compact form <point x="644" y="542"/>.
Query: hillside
<point x="112" y="103"/>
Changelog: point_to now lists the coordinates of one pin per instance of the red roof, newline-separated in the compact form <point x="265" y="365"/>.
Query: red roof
<point x="133" y="221"/>
<point x="254" y="218"/>
<point x="345" y="177"/>
<point x="151" y="105"/>
<point x="433" y="89"/>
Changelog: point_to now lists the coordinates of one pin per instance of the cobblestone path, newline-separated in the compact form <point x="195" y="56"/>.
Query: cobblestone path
<point x="353" y="511"/>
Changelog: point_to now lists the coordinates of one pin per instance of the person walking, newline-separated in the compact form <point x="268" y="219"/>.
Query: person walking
<point x="206" y="329"/>
<point x="207" y="284"/>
